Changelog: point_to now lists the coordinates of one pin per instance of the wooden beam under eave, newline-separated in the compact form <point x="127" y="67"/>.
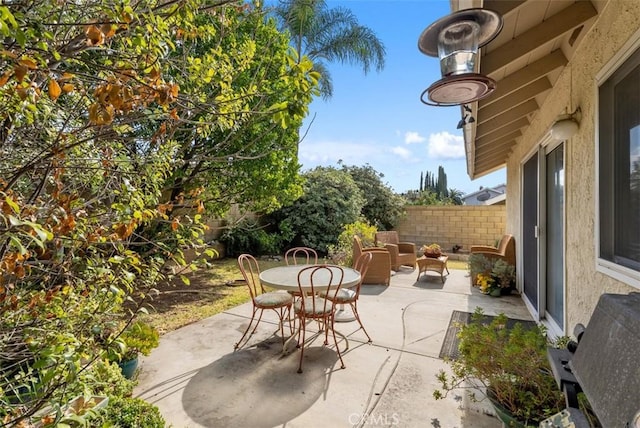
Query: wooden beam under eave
<point x="491" y="165"/>
<point x="497" y="156"/>
<point x="506" y="118"/>
<point x="501" y="151"/>
<point x="503" y="7"/>
<point x="522" y="77"/>
<point x="552" y="28"/>
<point x="518" y="97"/>
<point x="513" y="127"/>
<point x="495" y="145"/>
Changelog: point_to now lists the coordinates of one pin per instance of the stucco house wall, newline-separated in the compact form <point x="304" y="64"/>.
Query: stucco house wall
<point x="618" y="21"/>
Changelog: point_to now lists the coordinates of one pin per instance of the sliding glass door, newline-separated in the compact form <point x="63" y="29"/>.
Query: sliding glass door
<point x="554" y="304"/>
<point x="543" y="183"/>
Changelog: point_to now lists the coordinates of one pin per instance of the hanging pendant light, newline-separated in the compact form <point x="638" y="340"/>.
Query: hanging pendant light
<point x="455" y="40"/>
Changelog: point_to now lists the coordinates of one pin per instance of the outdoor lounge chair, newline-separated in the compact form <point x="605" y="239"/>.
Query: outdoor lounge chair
<point x="402" y="253"/>
<point x="506" y="250"/>
<point x="379" y="271"/>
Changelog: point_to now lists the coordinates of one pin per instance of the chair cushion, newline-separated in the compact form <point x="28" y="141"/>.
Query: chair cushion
<point x="273" y="299"/>
<point x="344" y="295"/>
<point x="308" y="306"/>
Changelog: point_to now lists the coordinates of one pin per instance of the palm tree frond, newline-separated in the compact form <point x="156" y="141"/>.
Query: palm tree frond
<point x="332" y="35"/>
<point x="357" y="46"/>
<point x="325" y="83"/>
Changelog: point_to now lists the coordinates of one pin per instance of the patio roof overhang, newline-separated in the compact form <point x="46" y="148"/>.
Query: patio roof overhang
<point x="537" y="41"/>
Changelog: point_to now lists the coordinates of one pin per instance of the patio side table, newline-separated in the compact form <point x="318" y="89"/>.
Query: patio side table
<point x="435" y="264"/>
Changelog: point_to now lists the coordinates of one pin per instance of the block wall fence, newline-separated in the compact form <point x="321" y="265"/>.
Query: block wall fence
<point x="453" y="225"/>
<point x="445" y="225"/>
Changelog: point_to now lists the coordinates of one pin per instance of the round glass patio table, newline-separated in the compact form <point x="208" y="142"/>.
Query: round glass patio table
<point x="286" y="278"/>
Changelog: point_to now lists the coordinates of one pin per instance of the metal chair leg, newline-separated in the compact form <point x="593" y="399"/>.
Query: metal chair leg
<point x="354" y="308"/>
<point x="237" y="345"/>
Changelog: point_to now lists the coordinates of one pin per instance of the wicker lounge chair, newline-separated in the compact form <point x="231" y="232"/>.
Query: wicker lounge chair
<point x="506" y="250"/>
<point x="379" y="271"/>
<point x="402" y="253"/>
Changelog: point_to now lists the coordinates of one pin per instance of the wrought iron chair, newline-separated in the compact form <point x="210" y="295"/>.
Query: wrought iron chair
<point x="309" y="255"/>
<point x="350" y="295"/>
<point x="278" y="301"/>
<point x="314" y="307"/>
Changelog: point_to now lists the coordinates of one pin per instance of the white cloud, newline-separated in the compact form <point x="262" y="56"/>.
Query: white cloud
<point x="383" y="158"/>
<point x="443" y="145"/>
<point x="401" y="152"/>
<point x="411" y="137"/>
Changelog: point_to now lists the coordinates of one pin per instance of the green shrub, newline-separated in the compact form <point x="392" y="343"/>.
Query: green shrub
<point x="247" y="236"/>
<point x="331" y="199"/>
<point x="383" y="208"/>
<point x="104" y="378"/>
<point x="130" y="413"/>
<point x="508" y="364"/>
<point x="342" y="252"/>
<point x="140" y="338"/>
<point x="107" y="379"/>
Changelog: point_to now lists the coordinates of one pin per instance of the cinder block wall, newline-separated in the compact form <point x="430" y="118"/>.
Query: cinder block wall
<point x="451" y="225"/>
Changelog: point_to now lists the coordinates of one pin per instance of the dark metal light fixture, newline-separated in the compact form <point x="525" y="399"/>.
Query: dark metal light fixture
<point x="467" y="119"/>
<point x="455" y="39"/>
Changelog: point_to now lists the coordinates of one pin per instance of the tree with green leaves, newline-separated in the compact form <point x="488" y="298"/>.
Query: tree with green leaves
<point x="455" y="196"/>
<point x="331" y="199"/>
<point x="441" y="186"/>
<point x="227" y="148"/>
<point x="122" y="124"/>
<point x="383" y="208"/>
<point x="329" y="34"/>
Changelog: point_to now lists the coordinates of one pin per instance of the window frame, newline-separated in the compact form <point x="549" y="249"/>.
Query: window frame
<point x="630" y="51"/>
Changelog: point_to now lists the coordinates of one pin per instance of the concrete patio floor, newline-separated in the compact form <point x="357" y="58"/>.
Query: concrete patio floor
<point x="197" y="380"/>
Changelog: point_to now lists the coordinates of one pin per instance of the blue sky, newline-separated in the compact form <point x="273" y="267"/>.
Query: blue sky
<point x="378" y="119"/>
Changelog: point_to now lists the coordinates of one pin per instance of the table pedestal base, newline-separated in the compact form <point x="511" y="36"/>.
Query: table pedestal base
<point x="344" y="314"/>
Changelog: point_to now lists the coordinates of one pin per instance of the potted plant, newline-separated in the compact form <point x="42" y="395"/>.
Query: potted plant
<point x="137" y="338"/>
<point x="494" y="276"/>
<point x="432" y="250"/>
<point x="509" y="366"/>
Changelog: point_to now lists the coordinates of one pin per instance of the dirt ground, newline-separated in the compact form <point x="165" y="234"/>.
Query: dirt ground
<point x="208" y="292"/>
<point x="204" y="285"/>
